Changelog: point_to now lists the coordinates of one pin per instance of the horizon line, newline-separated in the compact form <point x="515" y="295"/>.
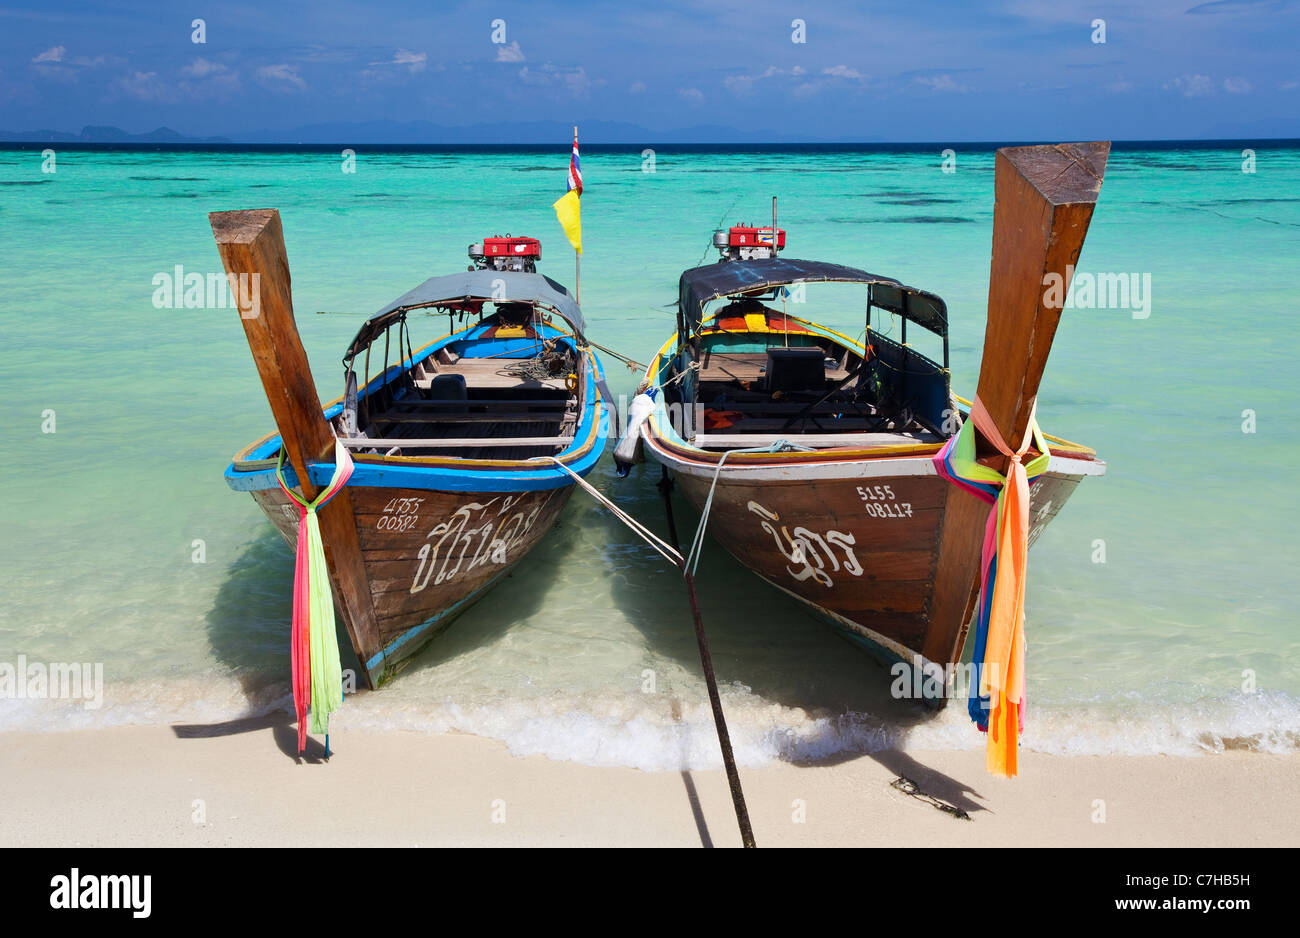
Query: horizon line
<point x="236" y="144"/>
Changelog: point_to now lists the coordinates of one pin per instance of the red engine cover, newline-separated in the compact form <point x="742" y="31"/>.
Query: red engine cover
<point x="512" y="247"/>
<point x="745" y="236"/>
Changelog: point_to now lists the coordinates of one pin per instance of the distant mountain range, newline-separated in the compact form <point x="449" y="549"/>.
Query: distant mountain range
<point x="104" y="135"/>
<point x="424" y="132"/>
<point x="545" y="133"/>
<point x="540" y="132"/>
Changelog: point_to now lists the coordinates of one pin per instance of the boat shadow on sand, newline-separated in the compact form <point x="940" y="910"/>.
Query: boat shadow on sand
<point x="248" y="625"/>
<point x="769" y="642"/>
<point x="758" y="636"/>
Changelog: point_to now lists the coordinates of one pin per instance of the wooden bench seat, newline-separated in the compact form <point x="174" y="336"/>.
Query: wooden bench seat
<point x="743" y="367"/>
<point x="491" y="373"/>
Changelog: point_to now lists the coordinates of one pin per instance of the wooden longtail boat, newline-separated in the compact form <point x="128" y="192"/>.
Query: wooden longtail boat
<point x="812" y="456"/>
<point x="455" y="444"/>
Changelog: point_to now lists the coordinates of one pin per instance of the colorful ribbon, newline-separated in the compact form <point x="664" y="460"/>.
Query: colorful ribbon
<point x="999" y="653"/>
<point x="317" y="672"/>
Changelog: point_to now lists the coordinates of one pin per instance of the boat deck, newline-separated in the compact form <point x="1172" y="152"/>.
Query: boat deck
<point x="503" y="415"/>
<point x="720" y="367"/>
<point x="740" y="412"/>
<point x="490" y="374"/>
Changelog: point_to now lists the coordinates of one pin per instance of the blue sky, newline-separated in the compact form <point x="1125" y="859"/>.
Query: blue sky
<point x="903" y="71"/>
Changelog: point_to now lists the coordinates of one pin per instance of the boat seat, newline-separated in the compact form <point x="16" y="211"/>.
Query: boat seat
<point x="445" y="387"/>
<point x="792" y="370"/>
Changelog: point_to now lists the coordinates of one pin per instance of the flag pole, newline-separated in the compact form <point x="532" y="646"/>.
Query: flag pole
<point x="577" y="258"/>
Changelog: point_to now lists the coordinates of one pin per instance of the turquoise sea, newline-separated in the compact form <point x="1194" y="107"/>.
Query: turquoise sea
<point x="1183" y="641"/>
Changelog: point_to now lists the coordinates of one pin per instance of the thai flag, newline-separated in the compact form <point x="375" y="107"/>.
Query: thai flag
<point x="575" y="168"/>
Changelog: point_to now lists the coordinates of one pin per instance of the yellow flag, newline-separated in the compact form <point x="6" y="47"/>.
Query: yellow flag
<point x="566" y="210"/>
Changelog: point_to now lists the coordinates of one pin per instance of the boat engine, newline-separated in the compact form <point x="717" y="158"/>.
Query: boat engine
<point x="747" y="242"/>
<point x="506" y="253"/>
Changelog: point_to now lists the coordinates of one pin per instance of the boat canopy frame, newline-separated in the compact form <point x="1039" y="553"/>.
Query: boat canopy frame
<point x="467" y="292"/>
<point x="700" y="286"/>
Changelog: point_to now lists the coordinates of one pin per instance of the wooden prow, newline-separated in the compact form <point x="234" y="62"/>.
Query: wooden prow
<point x="252" y="246"/>
<point x="1045" y="199"/>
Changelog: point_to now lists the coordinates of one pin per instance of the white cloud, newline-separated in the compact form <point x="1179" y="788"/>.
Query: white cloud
<point x="942" y="82"/>
<point x="146" y="86"/>
<point x="575" y="80"/>
<point x="403" y="60"/>
<point x="842" y="71"/>
<point x="637" y="87"/>
<point x="578" y="83"/>
<point x="1236" y="85"/>
<point x="205" y="78"/>
<point x="693" y="95"/>
<point x="202" y="68"/>
<point x="1192" y="86"/>
<point x="415" y="61"/>
<point x="283" y="77"/>
<point x="510" y="53"/>
<point x="744" y="84"/>
<point x="52" y="54"/>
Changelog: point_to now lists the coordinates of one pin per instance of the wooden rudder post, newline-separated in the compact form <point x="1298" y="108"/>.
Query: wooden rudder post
<point x="1045" y="199"/>
<point x="252" y="250"/>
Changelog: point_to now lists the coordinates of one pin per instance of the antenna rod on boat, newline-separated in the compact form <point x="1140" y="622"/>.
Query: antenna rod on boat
<point x="577" y="258"/>
<point x="252" y="250"/>
<point x="785" y="320"/>
<point x="1045" y="196"/>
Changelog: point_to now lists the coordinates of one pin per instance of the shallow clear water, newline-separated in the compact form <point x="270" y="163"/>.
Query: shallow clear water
<point x="1146" y="652"/>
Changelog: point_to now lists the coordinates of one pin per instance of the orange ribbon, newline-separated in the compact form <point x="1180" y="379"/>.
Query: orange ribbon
<point x="1003" y="674"/>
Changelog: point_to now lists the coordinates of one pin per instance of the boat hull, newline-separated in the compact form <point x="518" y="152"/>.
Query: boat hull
<point x="856" y="540"/>
<point x="429" y="555"/>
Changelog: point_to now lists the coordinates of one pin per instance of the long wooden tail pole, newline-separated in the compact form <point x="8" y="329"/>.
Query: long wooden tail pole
<point x="252" y="243"/>
<point x="1045" y="196"/>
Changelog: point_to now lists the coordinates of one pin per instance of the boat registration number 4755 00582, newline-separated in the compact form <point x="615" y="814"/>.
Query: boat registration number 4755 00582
<point x="400" y="514"/>
<point x="880" y="502"/>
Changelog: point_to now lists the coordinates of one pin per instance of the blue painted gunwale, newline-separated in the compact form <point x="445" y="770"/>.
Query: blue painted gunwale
<point x="256" y="471"/>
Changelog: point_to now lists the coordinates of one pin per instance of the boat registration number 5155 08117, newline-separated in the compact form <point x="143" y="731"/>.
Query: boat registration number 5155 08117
<point x="880" y="502"/>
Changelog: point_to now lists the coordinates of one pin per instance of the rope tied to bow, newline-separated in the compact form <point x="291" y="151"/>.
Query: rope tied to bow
<point x="316" y="669"/>
<point x="997" y="701"/>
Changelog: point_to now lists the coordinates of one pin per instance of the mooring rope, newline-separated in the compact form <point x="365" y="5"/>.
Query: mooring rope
<point x="632" y="364"/>
<point x="697" y="544"/>
<point x="706" y="660"/>
<point x="667" y="551"/>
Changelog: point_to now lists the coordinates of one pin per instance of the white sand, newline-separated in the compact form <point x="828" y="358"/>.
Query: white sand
<point x="139" y="785"/>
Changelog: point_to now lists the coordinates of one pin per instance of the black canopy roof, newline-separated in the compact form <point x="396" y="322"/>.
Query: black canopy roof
<point x="468" y="291"/>
<point x="700" y="286"/>
<point x="921" y="307"/>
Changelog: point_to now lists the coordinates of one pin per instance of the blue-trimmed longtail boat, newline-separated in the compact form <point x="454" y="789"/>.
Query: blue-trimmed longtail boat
<point x="847" y="473"/>
<point x="455" y="447"/>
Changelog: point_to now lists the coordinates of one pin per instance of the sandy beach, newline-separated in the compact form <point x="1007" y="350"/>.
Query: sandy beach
<point x="239" y="785"/>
